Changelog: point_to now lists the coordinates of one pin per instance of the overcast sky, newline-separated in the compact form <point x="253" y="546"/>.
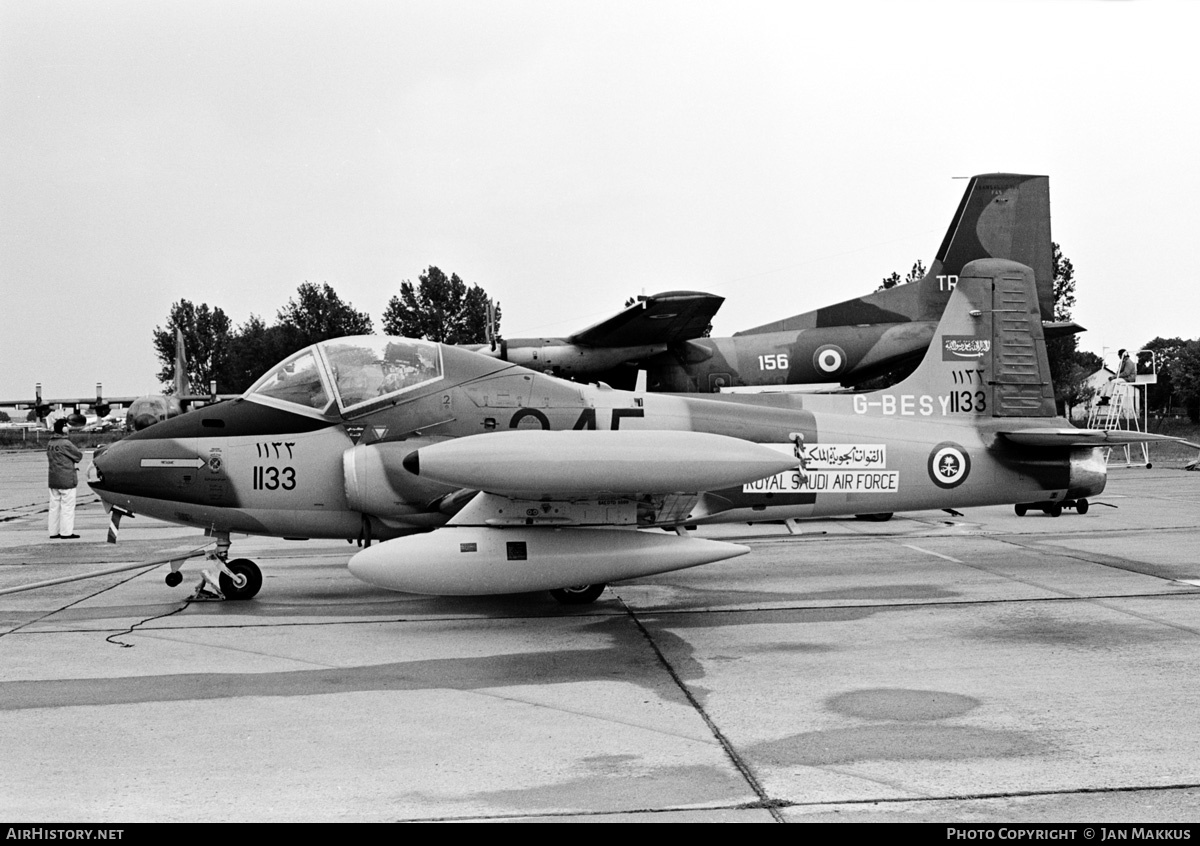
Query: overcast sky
<point x="567" y="155"/>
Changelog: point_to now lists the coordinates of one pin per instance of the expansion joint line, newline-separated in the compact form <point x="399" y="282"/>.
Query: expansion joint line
<point x="764" y="801"/>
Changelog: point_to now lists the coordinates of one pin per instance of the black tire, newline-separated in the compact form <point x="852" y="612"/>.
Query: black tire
<point x="249" y="571"/>
<point x="1021" y="509"/>
<point x="881" y="517"/>
<point x="1082" y="506"/>
<point x="578" y="595"/>
<point x="1054" y="510"/>
<point x="174" y="578"/>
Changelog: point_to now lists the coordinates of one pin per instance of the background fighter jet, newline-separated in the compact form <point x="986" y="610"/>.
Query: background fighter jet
<point x="482" y="477"/>
<point x="1001" y="215"/>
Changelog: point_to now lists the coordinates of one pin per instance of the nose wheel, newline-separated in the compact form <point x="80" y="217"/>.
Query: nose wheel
<point x="245" y="581"/>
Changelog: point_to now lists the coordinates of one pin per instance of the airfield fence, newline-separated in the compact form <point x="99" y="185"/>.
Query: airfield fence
<point x="19" y="438"/>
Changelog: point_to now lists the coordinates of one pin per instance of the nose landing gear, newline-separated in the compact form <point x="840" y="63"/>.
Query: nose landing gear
<point x="237" y="579"/>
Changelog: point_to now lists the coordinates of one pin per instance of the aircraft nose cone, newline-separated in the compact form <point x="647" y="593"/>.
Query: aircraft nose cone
<point x="114" y="466"/>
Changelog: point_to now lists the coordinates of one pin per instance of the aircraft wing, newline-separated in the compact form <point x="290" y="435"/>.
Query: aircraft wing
<point x="27" y="402"/>
<point x="1051" y="437"/>
<point x="567" y="508"/>
<point x="659" y="319"/>
<point x="191" y="399"/>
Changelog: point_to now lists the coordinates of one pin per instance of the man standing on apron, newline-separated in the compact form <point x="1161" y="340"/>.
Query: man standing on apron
<point x="64" y="478"/>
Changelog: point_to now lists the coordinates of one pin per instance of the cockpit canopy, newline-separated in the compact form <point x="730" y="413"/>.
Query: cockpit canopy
<point x="359" y="374"/>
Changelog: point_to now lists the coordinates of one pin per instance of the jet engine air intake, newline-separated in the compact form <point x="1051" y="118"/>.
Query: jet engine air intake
<point x="377" y="483"/>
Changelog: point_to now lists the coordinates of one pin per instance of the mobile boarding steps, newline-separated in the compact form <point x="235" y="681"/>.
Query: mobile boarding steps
<point x="1117" y="408"/>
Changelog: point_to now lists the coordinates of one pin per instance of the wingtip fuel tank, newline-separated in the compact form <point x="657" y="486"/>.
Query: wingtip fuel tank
<point x="566" y="462"/>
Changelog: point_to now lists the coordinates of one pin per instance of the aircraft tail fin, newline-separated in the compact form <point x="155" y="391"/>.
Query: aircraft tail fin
<point x="182" y="386"/>
<point x="988" y="355"/>
<point x="490" y="328"/>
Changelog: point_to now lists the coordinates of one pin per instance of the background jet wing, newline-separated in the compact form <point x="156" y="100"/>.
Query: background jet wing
<point x="29" y="403"/>
<point x="1084" y="437"/>
<point x="191" y="399"/>
<point x="659" y="319"/>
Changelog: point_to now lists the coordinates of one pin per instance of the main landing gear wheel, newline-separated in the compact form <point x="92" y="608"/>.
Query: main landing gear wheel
<point x="246" y="581"/>
<point x="1053" y="510"/>
<point x="1020" y="509"/>
<point x="578" y="595"/>
<point x="1081" y="506"/>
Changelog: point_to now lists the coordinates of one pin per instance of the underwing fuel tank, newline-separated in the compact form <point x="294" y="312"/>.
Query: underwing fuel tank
<point x="471" y="560"/>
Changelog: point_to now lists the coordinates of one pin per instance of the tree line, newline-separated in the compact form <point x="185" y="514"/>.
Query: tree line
<point x="1178" y="365"/>
<point x="444" y="308"/>
<point x="438" y="308"/>
<point x="1177" y="361"/>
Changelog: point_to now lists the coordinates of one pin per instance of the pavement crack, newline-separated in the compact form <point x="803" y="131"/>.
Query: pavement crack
<point x="764" y="801"/>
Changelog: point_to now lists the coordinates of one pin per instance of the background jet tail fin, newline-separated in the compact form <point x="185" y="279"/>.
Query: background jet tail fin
<point x="1002" y="215"/>
<point x="182" y="385"/>
<point x="988" y="355"/>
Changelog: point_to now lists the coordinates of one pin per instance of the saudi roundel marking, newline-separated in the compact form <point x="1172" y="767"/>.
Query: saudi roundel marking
<point x="829" y="359"/>
<point x="949" y="465"/>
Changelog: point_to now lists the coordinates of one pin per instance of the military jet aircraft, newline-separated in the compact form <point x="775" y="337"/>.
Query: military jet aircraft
<point x="477" y="476"/>
<point x="1001" y="215"/>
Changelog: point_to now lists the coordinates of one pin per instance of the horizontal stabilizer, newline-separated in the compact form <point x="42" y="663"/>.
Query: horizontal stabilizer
<point x="1061" y="329"/>
<point x="661" y="319"/>
<point x="1068" y="436"/>
<point x="539" y="463"/>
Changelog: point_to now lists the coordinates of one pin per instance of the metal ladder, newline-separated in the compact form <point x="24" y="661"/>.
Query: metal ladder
<point x="1117" y="409"/>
